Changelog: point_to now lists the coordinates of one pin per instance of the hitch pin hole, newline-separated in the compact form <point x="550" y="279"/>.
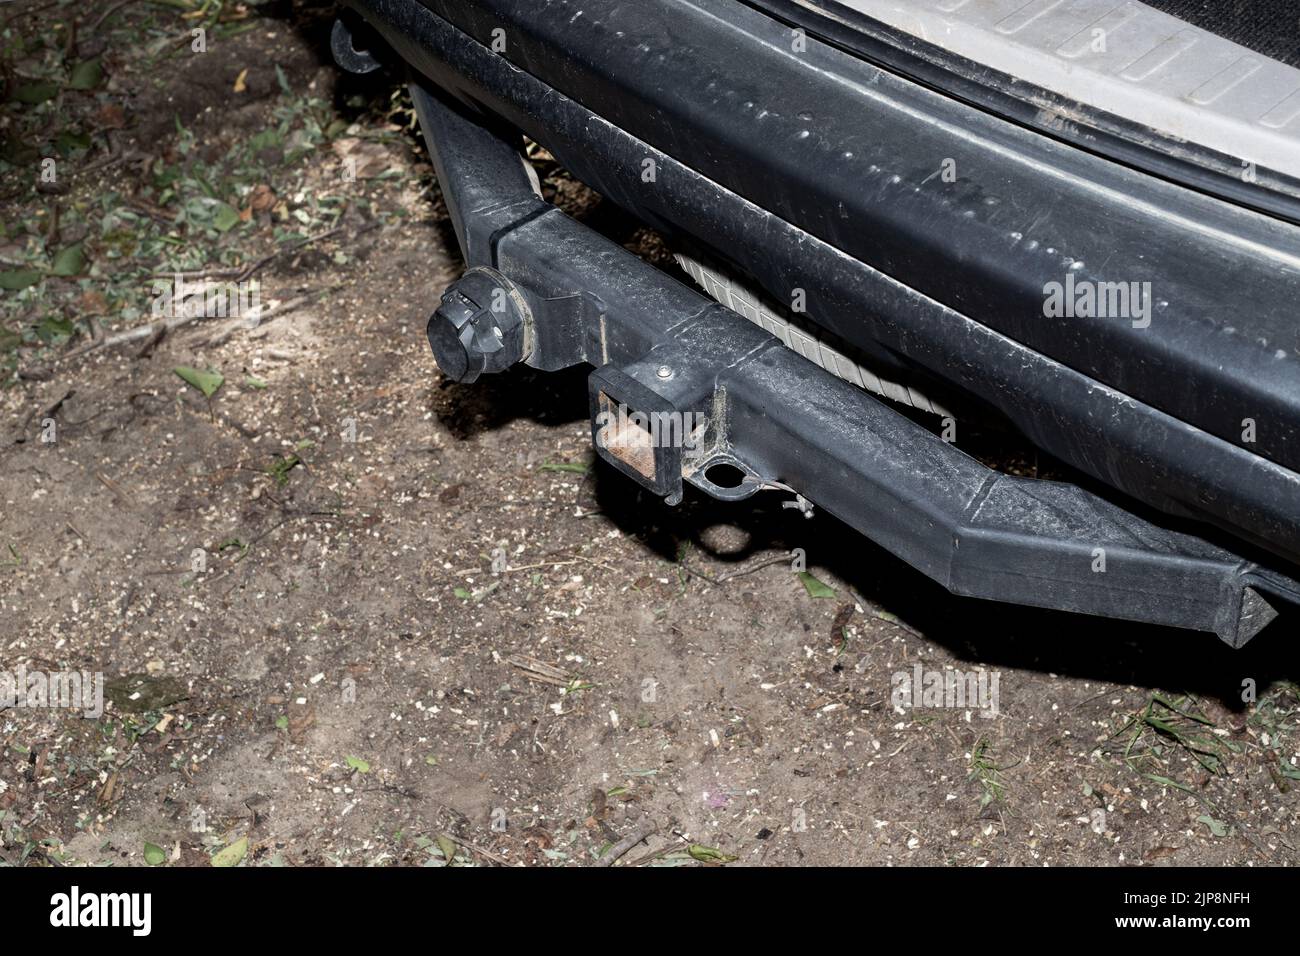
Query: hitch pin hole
<point x="724" y="475"/>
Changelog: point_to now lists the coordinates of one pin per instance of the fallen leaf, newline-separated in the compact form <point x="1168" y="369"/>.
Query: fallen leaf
<point x="448" y="847"/>
<point x="814" y="587"/>
<point x="54" y="330"/>
<point x="17" y="279"/>
<point x="153" y="854"/>
<point x="108" y="790"/>
<point x="110" y="116"/>
<point x="92" y="302"/>
<point x="842" y="618"/>
<point x="261" y="198"/>
<point x="707" y="854"/>
<point x="301" y="720"/>
<point x="34" y="93"/>
<point x="232" y="855"/>
<point x="226" y="218"/>
<point x="240" y="84"/>
<point x="69" y="261"/>
<point x="68" y="142"/>
<point x="206" y="382"/>
<point x="578" y="468"/>
<point x="85" y="75"/>
<point x="1217" y="827"/>
<point x="363" y="159"/>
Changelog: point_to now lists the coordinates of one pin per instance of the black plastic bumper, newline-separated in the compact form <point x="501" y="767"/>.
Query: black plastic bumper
<point x="783" y="421"/>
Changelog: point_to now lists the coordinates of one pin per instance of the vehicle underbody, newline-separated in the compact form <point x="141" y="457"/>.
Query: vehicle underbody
<point x="879" y="261"/>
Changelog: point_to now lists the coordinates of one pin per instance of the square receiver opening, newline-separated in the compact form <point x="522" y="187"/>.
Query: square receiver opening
<point x="627" y="437"/>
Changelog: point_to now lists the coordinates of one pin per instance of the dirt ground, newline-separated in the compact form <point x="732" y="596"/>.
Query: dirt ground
<point x="350" y="613"/>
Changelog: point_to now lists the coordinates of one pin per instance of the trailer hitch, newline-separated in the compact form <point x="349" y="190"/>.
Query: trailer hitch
<point x="686" y="391"/>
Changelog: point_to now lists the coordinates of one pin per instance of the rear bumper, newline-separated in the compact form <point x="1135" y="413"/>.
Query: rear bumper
<point x="916" y="278"/>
